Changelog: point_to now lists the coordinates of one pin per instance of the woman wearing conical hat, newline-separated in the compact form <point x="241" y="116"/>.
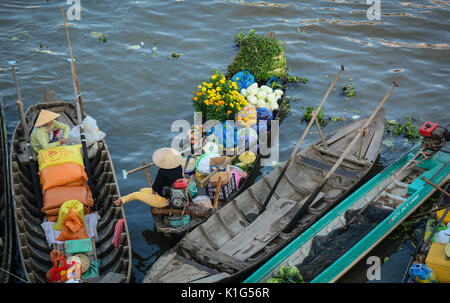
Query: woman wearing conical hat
<point x="48" y="132"/>
<point x="169" y="162"/>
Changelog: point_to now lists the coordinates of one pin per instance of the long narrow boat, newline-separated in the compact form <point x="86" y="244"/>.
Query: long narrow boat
<point x="5" y="202"/>
<point x="33" y="247"/>
<point x="163" y="225"/>
<point x="237" y="239"/>
<point x="396" y="194"/>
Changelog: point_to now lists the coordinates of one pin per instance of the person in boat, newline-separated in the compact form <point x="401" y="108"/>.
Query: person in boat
<point x="48" y="132"/>
<point x="169" y="162"/>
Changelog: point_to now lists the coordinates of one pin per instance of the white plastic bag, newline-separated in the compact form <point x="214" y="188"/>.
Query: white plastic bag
<point x="443" y="236"/>
<point x="92" y="133"/>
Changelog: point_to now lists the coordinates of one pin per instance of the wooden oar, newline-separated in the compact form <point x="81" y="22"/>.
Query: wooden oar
<point x="294" y="152"/>
<point x="80" y="111"/>
<point x="314" y="194"/>
<point x="144" y="166"/>
<point x="29" y="149"/>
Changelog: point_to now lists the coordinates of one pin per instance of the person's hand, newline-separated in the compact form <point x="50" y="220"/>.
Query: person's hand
<point x="118" y="202"/>
<point x="62" y="141"/>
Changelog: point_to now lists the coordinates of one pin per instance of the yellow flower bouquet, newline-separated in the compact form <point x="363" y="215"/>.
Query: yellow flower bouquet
<point x="218" y="99"/>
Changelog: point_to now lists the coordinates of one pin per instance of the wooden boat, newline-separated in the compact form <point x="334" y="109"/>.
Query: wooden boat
<point x="5" y="202"/>
<point x="162" y="223"/>
<point x="237" y="239"/>
<point x="32" y="244"/>
<point x="399" y="191"/>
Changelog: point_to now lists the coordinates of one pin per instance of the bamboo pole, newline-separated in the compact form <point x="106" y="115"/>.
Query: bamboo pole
<point x="314" y="194"/>
<point x="29" y="148"/>
<point x="435" y="186"/>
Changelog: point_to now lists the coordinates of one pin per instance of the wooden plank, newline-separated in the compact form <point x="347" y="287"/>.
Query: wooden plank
<point x="159" y="266"/>
<point x="349" y="158"/>
<point x="263" y="229"/>
<point x="375" y="146"/>
<point x="182" y="269"/>
<point x="215" y="255"/>
<point x="368" y="138"/>
<point x="344" y="131"/>
<point x="325" y="167"/>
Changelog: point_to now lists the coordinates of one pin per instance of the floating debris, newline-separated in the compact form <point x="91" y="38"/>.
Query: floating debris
<point x="348" y="90"/>
<point x="47" y="51"/>
<point x="413" y="45"/>
<point x="99" y="36"/>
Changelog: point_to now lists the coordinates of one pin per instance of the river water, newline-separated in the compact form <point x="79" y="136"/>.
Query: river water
<point x="135" y="89"/>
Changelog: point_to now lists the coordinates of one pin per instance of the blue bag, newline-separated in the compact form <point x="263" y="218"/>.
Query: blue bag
<point x="243" y="79"/>
<point x="422" y="273"/>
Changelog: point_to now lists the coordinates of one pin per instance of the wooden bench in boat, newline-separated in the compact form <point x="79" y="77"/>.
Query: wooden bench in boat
<point x="325" y="167"/>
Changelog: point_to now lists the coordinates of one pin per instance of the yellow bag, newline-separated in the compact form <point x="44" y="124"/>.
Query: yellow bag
<point x="64" y="211"/>
<point x="59" y="155"/>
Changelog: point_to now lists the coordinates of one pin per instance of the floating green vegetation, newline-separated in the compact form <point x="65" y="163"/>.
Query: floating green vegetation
<point x="175" y="55"/>
<point x="262" y="55"/>
<point x="99" y="36"/>
<point x="348" y="89"/>
<point x="407" y="129"/>
<point x="320" y="116"/>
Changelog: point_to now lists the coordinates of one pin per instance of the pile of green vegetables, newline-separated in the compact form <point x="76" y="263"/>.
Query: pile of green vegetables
<point x="262" y="55"/>
<point x="286" y="274"/>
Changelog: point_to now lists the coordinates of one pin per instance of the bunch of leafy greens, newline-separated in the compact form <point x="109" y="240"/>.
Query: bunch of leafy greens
<point x="261" y="55"/>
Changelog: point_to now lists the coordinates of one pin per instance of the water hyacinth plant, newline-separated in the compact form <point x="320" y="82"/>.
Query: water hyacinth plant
<point x="218" y="99"/>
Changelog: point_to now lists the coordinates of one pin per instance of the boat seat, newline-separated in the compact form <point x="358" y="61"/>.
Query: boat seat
<point x="325" y="167"/>
<point x="350" y="158"/>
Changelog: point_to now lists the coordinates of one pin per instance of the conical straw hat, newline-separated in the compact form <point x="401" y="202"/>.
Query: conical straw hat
<point x="167" y="158"/>
<point x="44" y="117"/>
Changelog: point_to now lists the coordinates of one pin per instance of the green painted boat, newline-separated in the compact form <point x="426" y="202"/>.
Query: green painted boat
<point x="398" y="187"/>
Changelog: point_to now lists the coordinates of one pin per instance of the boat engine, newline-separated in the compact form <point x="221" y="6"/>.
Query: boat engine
<point x="434" y="136"/>
<point x="178" y="193"/>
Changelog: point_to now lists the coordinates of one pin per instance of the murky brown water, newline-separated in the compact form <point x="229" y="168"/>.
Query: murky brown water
<point x="135" y="89"/>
